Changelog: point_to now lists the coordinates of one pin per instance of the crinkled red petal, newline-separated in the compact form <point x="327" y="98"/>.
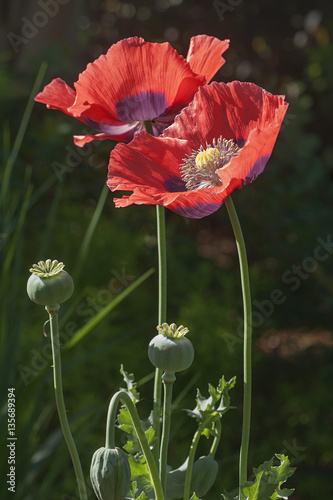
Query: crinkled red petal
<point x="122" y="132"/>
<point x="57" y="95"/>
<point x="149" y="166"/>
<point x="205" y="55"/>
<point x="131" y="67"/>
<point x="228" y="109"/>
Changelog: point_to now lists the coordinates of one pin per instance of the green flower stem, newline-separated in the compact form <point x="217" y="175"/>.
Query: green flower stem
<point x="216" y="441"/>
<point x="191" y="457"/>
<point x="247" y="352"/>
<point x="168" y="384"/>
<point x="59" y="397"/>
<point x="162" y="300"/>
<point x="124" y="398"/>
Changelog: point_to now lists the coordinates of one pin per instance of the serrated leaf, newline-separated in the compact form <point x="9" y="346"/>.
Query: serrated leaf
<point x="140" y="474"/>
<point x="132" y="490"/>
<point x="131" y="385"/>
<point x="195" y="414"/>
<point x="214" y="393"/>
<point x="283" y="471"/>
<point x="229" y="496"/>
<point x="215" y="405"/>
<point x="126" y="425"/>
<point x="285" y="493"/>
<point x="150" y="435"/>
<point x="125" y="421"/>
<point x="129" y="447"/>
<point x="142" y="496"/>
<point x="268" y="480"/>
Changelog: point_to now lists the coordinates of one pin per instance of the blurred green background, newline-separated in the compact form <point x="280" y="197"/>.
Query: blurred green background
<point x="286" y="215"/>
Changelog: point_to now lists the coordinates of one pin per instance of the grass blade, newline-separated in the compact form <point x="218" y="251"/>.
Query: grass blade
<point x="106" y="310"/>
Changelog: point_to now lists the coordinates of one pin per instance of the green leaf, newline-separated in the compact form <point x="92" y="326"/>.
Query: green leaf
<point x="129" y="447"/>
<point x="194" y="497"/>
<point x="133" y="489"/>
<point x="142" y="496"/>
<point x="133" y="492"/>
<point x="283" y="471"/>
<point x="125" y="421"/>
<point x="150" y="435"/>
<point x="131" y="385"/>
<point x="140" y="474"/>
<point x="124" y="418"/>
<point x="91" y="324"/>
<point x="269" y="479"/>
<point x="229" y="496"/>
<point x="212" y="408"/>
<point x="125" y="424"/>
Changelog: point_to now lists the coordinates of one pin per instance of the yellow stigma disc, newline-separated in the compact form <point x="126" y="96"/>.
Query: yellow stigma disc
<point x="207" y="157"/>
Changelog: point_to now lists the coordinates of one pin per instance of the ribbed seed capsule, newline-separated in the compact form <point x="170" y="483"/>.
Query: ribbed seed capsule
<point x="170" y="350"/>
<point x="49" y="283"/>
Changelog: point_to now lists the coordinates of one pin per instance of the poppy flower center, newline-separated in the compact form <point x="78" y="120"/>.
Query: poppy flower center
<point x="206" y="158"/>
<point x="199" y="170"/>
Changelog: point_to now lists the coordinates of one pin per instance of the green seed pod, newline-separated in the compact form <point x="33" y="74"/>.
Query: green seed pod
<point x="203" y="475"/>
<point x="170" y="350"/>
<point x="110" y="474"/>
<point x="49" y="284"/>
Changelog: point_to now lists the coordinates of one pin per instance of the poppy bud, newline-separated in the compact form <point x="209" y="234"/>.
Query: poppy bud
<point x="110" y="474"/>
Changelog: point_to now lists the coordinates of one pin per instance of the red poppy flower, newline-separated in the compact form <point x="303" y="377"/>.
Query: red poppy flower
<point x="136" y="81"/>
<point x="221" y="141"/>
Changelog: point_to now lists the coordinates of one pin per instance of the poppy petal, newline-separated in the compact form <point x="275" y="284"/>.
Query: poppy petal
<point x="241" y="106"/>
<point x="146" y="151"/>
<point x="57" y="95"/>
<point x="140" y="72"/>
<point x="133" y="82"/>
<point x="155" y="179"/>
<point x="205" y="55"/>
<point x="150" y="166"/>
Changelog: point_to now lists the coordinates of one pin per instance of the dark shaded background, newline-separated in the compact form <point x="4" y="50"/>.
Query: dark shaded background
<point x="285" y="47"/>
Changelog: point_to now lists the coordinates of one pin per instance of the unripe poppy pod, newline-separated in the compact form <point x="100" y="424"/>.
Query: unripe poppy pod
<point x="170" y="350"/>
<point x="110" y="474"/>
<point x="49" y="283"/>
